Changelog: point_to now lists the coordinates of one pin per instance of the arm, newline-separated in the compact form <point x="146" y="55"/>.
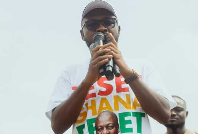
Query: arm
<point x="67" y="112"/>
<point x="152" y="103"/>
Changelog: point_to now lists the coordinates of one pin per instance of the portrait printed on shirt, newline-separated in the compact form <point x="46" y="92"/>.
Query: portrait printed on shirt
<point x="111" y="101"/>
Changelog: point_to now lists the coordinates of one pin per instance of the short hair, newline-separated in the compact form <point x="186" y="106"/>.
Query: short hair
<point x="112" y="114"/>
<point x="175" y="96"/>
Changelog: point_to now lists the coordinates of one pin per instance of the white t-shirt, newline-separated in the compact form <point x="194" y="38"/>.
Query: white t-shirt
<point x="114" y="95"/>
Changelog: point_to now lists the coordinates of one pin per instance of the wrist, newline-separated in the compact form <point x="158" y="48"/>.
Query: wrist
<point x="133" y="77"/>
<point x="89" y="79"/>
<point x="87" y="83"/>
<point x="124" y="69"/>
<point x="127" y="73"/>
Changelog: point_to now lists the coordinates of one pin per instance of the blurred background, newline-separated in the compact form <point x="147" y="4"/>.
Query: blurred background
<point x="39" y="38"/>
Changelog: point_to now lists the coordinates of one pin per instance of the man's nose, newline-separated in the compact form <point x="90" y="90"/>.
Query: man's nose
<point x="102" y="29"/>
<point x="105" y="131"/>
<point x="173" y="113"/>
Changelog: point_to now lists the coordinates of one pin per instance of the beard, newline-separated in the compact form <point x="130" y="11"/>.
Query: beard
<point x="89" y="42"/>
<point x="175" y="126"/>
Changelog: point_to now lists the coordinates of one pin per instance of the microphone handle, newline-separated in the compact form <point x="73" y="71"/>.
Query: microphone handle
<point x="116" y="70"/>
<point x="109" y="70"/>
<point x="102" y="68"/>
<point x="111" y="66"/>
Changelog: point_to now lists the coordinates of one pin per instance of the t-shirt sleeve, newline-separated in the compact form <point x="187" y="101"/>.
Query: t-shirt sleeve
<point x="62" y="91"/>
<point x="153" y="81"/>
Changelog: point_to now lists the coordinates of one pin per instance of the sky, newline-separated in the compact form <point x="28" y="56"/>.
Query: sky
<point x="39" y="38"/>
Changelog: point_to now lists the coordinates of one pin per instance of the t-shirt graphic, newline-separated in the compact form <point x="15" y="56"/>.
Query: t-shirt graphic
<point x="115" y="96"/>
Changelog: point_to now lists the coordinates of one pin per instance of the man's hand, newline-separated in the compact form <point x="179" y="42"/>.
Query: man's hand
<point x="67" y="112"/>
<point x="152" y="102"/>
<point x="100" y="56"/>
<point x="117" y="56"/>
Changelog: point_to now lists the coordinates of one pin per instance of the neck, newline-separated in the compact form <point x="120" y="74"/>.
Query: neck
<point x="176" y="130"/>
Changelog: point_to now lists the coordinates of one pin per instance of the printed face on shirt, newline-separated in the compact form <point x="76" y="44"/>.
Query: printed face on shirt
<point x="96" y="15"/>
<point x="178" y="114"/>
<point x="107" y="123"/>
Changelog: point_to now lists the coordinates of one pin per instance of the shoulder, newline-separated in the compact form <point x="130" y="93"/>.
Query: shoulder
<point x="190" y="132"/>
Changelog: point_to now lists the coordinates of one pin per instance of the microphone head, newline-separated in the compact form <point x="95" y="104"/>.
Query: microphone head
<point x="109" y="75"/>
<point x="98" y="36"/>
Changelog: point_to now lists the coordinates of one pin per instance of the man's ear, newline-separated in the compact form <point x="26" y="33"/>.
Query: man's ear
<point x="186" y="113"/>
<point x="82" y="35"/>
<point x="119" y="30"/>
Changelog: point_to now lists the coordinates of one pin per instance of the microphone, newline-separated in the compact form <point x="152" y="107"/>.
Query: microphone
<point x="98" y="40"/>
<point x="109" y="65"/>
<point x="116" y="70"/>
<point x="110" y="68"/>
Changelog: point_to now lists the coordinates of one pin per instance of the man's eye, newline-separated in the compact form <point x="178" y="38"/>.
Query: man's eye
<point x="178" y="109"/>
<point x="90" y="23"/>
<point x="109" y="23"/>
<point x="99" y="129"/>
<point x="110" y="127"/>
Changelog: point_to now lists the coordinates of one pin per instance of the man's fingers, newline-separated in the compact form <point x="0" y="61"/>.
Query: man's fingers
<point x="112" y="39"/>
<point x="109" y="45"/>
<point x="114" y="50"/>
<point x="97" y="48"/>
<point x="101" y="52"/>
<point x="101" y="59"/>
<point x="102" y="62"/>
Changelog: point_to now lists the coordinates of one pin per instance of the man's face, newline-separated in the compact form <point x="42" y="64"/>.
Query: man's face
<point x="106" y="124"/>
<point x="178" y="114"/>
<point x="87" y="35"/>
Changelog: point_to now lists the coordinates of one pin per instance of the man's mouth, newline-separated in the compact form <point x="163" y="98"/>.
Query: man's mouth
<point x="173" y="119"/>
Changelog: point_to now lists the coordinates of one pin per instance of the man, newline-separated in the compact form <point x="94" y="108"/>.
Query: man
<point x="80" y="93"/>
<point x="176" y="124"/>
<point x="107" y="123"/>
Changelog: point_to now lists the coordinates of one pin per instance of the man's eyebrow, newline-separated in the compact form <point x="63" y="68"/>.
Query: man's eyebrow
<point x="110" y="124"/>
<point x="178" y="108"/>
